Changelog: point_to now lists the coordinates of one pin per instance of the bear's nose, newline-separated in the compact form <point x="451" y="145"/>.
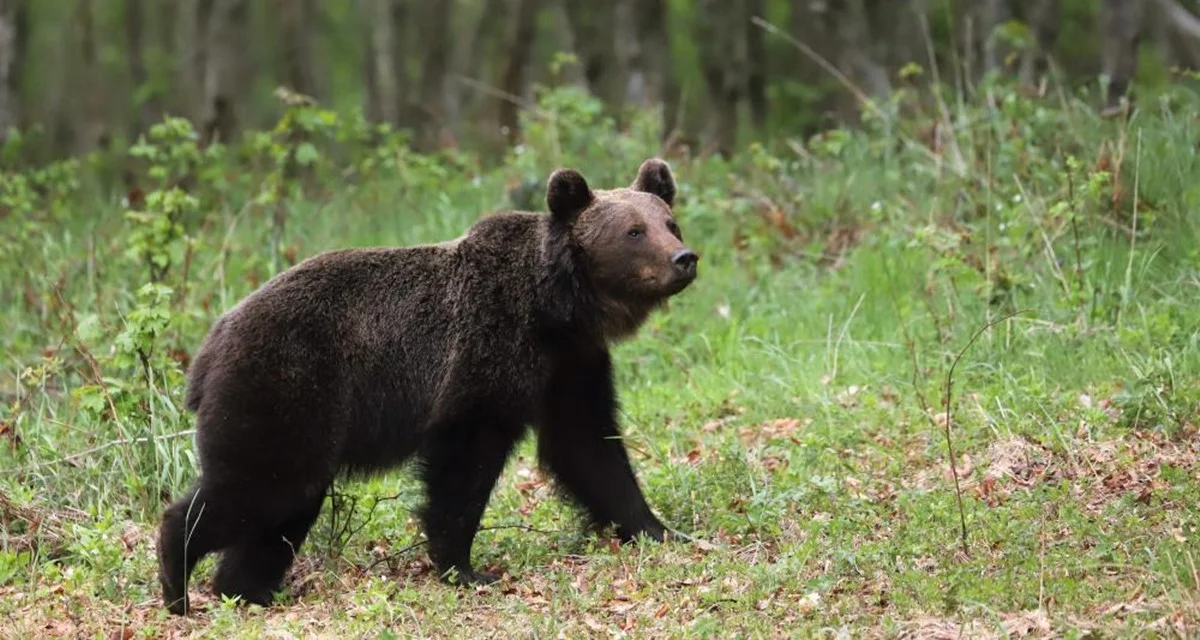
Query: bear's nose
<point x="685" y="259"/>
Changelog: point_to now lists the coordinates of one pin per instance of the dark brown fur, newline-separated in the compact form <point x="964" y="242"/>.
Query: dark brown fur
<point x="355" y="361"/>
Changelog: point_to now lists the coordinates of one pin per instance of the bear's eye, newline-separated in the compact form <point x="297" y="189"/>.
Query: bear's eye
<point x="635" y="233"/>
<point x="673" y="228"/>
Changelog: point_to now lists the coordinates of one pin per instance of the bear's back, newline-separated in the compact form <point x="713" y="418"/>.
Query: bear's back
<point x="387" y="335"/>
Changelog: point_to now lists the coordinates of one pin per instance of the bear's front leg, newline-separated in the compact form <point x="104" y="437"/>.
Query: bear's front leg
<point x="578" y="442"/>
<point x="460" y="465"/>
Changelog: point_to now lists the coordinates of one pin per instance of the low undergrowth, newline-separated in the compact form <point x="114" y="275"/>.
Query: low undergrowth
<point x="792" y="410"/>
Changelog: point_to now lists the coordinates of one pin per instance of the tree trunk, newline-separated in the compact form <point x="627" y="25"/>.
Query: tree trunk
<point x="650" y="81"/>
<point x="91" y="115"/>
<point x="225" y="71"/>
<point x="992" y="14"/>
<point x="723" y="60"/>
<point x="756" y="59"/>
<point x="434" y="92"/>
<point x="168" y="33"/>
<point x="477" y="56"/>
<point x="567" y="40"/>
<point x="11" y="59"/>
<point x="627" y="43"/>
<point x="812" y="24"/>
<point x="147" y="107"/>
<point x="1122" y="26"/>
<point x="296" y="24"/>
<point x="594" y="24"/>
<point x="643" y="51"/>
<point x="516" y="70"/>
<point x="906" y="42"/>
<point x="401" y="49"/>
<point x="203" y="12"/>
<point x="852" y="25"/>
<point x="1043" y="21"/>
<point x="1179" y="31"/>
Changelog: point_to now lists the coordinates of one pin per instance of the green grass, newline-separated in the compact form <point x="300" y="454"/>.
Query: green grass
<point x="786" y="410"/>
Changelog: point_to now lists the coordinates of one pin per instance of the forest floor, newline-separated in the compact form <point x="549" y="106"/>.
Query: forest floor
<point x="788" y="410"/>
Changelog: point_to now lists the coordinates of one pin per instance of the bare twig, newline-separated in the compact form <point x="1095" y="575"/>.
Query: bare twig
<point x="924" y="404"/>
<point x="846" y="82"/>
<point x="858" y="93"/>
<point x="495" y="92"/>
<point x="962" y="514"/>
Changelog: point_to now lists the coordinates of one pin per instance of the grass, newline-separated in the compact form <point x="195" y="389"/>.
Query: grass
<point x="787" y="410"/>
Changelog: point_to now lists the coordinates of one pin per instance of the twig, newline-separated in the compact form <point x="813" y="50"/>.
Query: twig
<point x="1126" y="294"/>
<point x="846" y="82"/>
<point x="501" y="94"/>
<point x="962" y="514"/>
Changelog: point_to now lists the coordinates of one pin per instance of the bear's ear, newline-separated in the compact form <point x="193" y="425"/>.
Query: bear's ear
<point x="654" y="176"/>
<point x="567" y="194"/>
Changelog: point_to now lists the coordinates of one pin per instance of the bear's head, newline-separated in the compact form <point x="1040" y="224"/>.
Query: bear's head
<point x="624" y="243"/>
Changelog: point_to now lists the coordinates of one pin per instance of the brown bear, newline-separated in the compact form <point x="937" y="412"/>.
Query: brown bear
<point x="354" y="361"/>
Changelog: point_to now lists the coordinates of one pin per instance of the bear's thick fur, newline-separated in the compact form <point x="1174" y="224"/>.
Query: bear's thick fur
<point x="354" y="361"/>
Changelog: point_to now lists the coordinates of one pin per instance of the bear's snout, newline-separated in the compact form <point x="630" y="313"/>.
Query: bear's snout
<point x="685" y="259"/>
<point x="684" y="262"/>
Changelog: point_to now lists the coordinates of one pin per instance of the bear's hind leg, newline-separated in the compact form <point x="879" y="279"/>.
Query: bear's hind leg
<point x="460" y="465"/>
<point x="192" y="527"/>
<point x="254" y="568"/>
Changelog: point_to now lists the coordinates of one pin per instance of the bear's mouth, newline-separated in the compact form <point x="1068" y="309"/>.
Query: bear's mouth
<point x="681" y="281"/>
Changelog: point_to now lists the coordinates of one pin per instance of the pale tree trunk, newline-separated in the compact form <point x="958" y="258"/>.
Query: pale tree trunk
<point x="1122" y="27"/>
<point x="384" y="71"/>
<point x="149" y="110"/>
<point x="225" y="70"/>
<point x="568" y="41"/>
<point x="434" y="97"/>
<point x="168" y="35"/>
<point x="1043" y="21"/>
<point x="627" y="43"/>
<point x="896" y="32"/>
<point x="1179" y="32"/>
<point x="479" y="54"/>
<point x="379" y="75"/>
<point x="202" y="12"/>
<point x="811" y="24"/>
<point x="515" y="76"/>
<point x="756" y="64"/>
<point x="991" y="14"/>
<point x="853" y="28"/>
<point x="295" y="19"/>
<point x="91" y="109"/>
<point x="594" y="25"/>
<point x="723" y="62"/>
<point x="650" y="81"/>
<point x="643" y="51"/>
<point x="401" y="16"/>
<point x="11" y="59"/>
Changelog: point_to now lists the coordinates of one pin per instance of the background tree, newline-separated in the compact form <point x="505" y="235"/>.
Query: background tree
<point x="459" y="72"/>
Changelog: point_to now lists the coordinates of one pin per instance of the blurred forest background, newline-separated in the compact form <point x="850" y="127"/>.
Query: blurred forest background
<point x="81" y="75"/>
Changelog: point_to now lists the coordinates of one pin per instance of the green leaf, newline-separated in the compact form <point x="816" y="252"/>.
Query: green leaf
<point x="306" y="154"/>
